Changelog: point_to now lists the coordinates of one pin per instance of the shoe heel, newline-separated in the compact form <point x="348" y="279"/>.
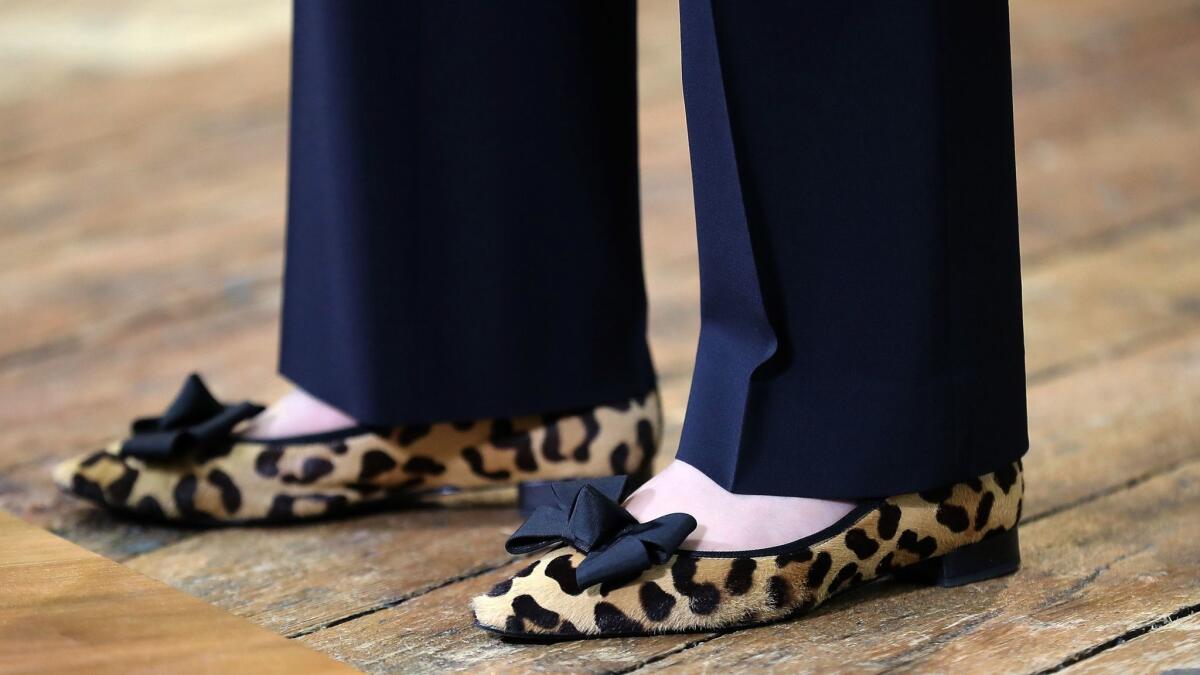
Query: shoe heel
<point x="995" y="556"/>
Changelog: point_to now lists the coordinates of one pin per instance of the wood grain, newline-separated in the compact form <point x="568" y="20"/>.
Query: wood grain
<point x="1096" y="430"/>
<point x="1105" y="105"/>
<point x="75" y="611"/>
<point x="140" y="230"/>
<point x="298" y="579"/>
<point x="1103" y="301"/>
<point x="1175" y="645"/>
<point x="434" y="633"/>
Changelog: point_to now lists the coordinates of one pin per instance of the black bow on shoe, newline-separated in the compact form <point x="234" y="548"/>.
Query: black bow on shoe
<point x="194" y="420"/>
<point x="588" y="515"/>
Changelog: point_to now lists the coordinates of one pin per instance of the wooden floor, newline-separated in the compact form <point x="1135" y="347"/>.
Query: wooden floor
<point x="64" y="609"/>
<point x="142" y="148"/>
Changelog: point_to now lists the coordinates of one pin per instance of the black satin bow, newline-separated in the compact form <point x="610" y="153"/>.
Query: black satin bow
<point x="587" y="515"/>
<point x="194" y="421"/>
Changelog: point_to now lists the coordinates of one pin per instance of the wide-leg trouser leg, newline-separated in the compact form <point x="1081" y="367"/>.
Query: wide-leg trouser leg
<point x="860" y="278"/>
<point x="463" y="208"/>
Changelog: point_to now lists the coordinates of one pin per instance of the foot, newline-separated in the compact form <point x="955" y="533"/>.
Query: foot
<point x="190" y="465"/>
<point x="297" y="414"/>
<point x="634" y="581"/>
<point x="728" y="521"/>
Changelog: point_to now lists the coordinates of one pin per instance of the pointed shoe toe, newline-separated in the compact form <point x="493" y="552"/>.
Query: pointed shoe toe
<point x="948" y="537"/>
<point x="191" y="466"/>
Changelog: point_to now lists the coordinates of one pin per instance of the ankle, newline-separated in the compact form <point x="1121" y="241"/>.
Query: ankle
<point x="728" y="521"/>
<point x="297" y="413"/>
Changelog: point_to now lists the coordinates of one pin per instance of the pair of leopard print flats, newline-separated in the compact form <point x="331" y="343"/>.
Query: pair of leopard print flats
<point x="191" y="466"/>
<point x="613" y="576"/>
<point x="608" y="575"/>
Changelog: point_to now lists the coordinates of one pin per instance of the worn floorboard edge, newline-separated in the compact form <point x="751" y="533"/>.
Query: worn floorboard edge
<point x="1164" y="219"/>
<point x="59" y="346"/>
<point x="198" y="305"/>
<point x="1148" y="627"/>
<point x="669" y="653"/>
<point x="1132" y="347"/>
<point x="116" y="133"/>
<point x="1110" y="490"/>
<point x="397" y="602"/>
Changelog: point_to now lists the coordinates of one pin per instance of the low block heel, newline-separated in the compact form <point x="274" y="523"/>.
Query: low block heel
<point x="995" y="556"/>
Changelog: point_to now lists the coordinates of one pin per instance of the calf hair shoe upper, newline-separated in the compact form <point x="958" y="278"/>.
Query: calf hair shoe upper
<point x="616" y="577"/>
<point x="190" y="466"/>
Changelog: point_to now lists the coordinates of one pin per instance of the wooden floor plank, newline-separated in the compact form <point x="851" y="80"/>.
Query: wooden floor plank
<point x="1092" y="305"/>
<point x="44" y="46"/>
<point x="64" y="609"/>
<point x="297" y="579"/>
<point x="1089" y="575"/>
<point x="1173" y="646"/>
<point x="1097" y="429"/>
<point x="1060" y="41"/>
<point x="1105" y="117"/>
<point x="87" y="109"/>
<point x="193" y="220"/>
<point x="434" y="633"/>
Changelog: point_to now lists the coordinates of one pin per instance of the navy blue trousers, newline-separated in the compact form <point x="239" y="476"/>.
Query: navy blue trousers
<point x="463" y="227"/>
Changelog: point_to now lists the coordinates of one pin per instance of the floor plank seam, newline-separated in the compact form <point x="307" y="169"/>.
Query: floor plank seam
<point x="40" y="353"/>
<point x="201" y="306"/>
<point x="1111" y="490"/>
<point x="1071" y="593"/>
<point x="398" y="601"/>
<point x="1164" y="219"/>
<point x="1131" y="348"/>
<point x="1128" y="635"/>
<point x="936" y="642"/>
<point x="669" y="653"/>
<point x="115" y="133"/>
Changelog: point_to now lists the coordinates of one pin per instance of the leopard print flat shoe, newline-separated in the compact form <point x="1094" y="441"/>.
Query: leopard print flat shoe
<point x="189" y="465"/>
<point x="626" y="578"/>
